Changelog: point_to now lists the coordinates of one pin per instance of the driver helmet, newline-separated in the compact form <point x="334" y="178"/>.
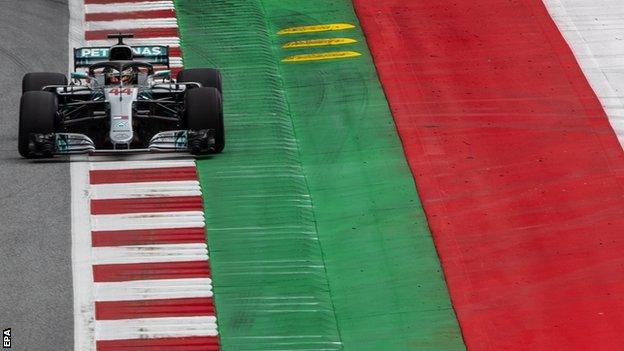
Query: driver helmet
<point x="126" y="77"/>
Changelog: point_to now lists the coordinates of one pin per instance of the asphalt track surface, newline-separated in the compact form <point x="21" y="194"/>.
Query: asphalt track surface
<point x="35" y="233"/>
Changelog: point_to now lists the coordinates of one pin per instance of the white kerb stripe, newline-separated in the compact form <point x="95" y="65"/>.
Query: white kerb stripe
<point x="141" y="164"/>
<point x="153" y="289"/>
<point x="175" y="61"/>
<point x="147" y="189"/>
<point x="130" y="7"/>
<point x="156" y="157"/>
<point x="158" y="220"/>
<point x="142" y="328"/>
<point x="149" y="253"/>
<point x="132" y="24"/>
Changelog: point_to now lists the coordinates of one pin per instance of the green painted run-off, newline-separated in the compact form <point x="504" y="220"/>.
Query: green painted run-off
<point x="316" y="234"/>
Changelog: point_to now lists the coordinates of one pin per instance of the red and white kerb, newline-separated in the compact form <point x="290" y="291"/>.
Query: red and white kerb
<point x="151" y="22"/>
<point x="139" y="255"/>
<point x="141" y="272"/>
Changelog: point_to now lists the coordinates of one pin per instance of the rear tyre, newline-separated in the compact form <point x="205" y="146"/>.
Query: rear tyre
<point x="208" y="77"/>
<point x="204" y="110"/>
<point x="38" y="80"/>
<point x="37" y="114"/>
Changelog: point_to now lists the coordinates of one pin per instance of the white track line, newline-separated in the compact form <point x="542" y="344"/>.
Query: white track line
<point x="130" y="7"/>
<point x="153" y="289"/>
<point x="142" y="328"/>
<point x="84" y="315"/>
<point x="160" y="220"/>
<point x="81" y="259"/>
<point x="147" y="189"/>
<point x="149" y="253"/>
<point x="122" y="25"/>
<point x="76" y="30"/>
<point x="594" y="31"/>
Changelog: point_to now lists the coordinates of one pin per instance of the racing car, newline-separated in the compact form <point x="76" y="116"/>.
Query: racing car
<point x="121" y="99"/>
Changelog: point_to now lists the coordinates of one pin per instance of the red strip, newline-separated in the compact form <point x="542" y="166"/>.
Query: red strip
<point x="147" y="237"/>
<point x="114" y="16"/>
<point x="137" y="32"/>
<point x="520" y="174"/>
<point x="142" y="175"/>
<point x="175" y="51"/>
<point x="147" y="271"/>
<point x="90" y="2"/>
<point x="175" y="71"/>
<point x="196" y="343"/>
<point x="197" y="306"/>
<point x="146" y="205"/>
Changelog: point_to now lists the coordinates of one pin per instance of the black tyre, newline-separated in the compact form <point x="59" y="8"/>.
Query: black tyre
<point x="204" y="110"/>
<point x="37" y="114"/>
<point x="208" y="77"/>
<point x="38" y="80"/>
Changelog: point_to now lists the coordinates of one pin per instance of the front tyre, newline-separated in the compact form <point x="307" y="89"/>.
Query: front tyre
<point x="204" y="110"/>
<point x="36" y="81"/>
<point x="207" y="77"/>
<point x="37" y="114"/>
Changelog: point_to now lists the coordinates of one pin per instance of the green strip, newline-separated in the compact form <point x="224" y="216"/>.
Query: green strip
<point x="312" y="157"/>
<point x="270" y="285"/>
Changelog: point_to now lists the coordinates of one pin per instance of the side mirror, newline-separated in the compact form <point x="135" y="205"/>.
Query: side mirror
<point x="79" y="75"/>
<point x="163" y="74"/>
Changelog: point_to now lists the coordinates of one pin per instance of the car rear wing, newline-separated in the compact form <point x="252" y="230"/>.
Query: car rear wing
<point x="157" y="55"/>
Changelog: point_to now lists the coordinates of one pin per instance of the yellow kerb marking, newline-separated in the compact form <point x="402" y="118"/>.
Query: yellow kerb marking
<point x="316" y="28"/>
<point x="322" y="56"/>
<point x="318" y="42"/>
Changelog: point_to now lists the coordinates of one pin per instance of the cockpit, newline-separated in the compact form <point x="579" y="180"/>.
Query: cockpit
<point x="112" y="73"/>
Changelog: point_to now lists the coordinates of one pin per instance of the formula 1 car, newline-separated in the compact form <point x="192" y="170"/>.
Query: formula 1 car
<point x="121" y="99"/>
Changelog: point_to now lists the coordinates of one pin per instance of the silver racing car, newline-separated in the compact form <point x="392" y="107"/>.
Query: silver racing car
<point x="121" y="99"/>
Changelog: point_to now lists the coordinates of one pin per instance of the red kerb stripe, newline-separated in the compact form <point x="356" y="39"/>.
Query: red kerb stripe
<point x="147" y="271"/>
<point x="138" y="33"/>
<point x="113" y="310"/>
<point x="147" y="237"/>
<point x="146" y="205"/>
<point x="113" y="16"/>
<point x="142" y="175"/>
<point x="175" y="51"/>
<point x="175" y="71"/>
<point x="196" y="343"/>
<point x="93" y="2"/>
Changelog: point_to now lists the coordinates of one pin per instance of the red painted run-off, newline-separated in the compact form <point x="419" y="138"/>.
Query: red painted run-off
<point x="147" y="271"/>
<point x="197" y="343"/>
<point x="519" y="171"/>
